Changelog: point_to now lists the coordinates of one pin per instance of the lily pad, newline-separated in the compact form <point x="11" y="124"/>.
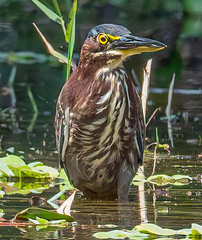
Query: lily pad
<point x="34" y="212"/>
<point x="42" y="221"/>
<point x="12" y="160"/>
<point x="5" y="171"/>
<point x="35" y="164"/>
<point x="1" y="213"/>
<point x="154" y="229"/>
<point x="119" y="234"/>
<point x="196" y="229"/>
<point x="2" y="193"/>
<point x="53" y="173"/>
<point x="163" y="179"/>
<point x="160" y="179"/>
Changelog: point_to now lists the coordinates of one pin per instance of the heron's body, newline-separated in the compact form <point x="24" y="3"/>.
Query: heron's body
<point x="99" y="124"/>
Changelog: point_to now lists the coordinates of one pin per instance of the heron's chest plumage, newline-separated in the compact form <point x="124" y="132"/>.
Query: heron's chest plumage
<point x="100" y="137"/>
<point x="100" y="132"/>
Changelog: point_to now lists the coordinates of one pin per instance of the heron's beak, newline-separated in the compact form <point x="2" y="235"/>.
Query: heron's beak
<point x="129" y="45"/>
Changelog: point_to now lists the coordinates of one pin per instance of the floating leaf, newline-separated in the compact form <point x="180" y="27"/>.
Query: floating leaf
<point x="154" y="229"/>
<point x="35" y="164"/>
<point x="43" y="221"/>
<point x="139" y="179"/>
<point x="160" y="179"/>
<point x="12" y="160"/>
<point x="26" y="171"/>
<point x="119" y="234"/>
<point x="5" y="171"/>
<point x="53" y="173"/>
<point x="2" y="193"/>
<point x="1" y="213"/>
<point x="178" y="177"/>
<point x="196" y="229"/>
<point x="184" y="231"/>
<point x="34" y="212"/>
<point x="18" y="188"/>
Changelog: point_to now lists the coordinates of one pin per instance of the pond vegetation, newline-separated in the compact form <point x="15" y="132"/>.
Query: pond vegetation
<point x="166" y="192"/>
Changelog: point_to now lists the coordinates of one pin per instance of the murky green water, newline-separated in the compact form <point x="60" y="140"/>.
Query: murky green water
<point x="169" y="205"/>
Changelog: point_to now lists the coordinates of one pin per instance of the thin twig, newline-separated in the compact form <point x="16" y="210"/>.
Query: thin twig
<point x="145" y="87"/>
<point x="153" y="114"/>
<point x="168" y="110"/>
<point x="155" y="160"/>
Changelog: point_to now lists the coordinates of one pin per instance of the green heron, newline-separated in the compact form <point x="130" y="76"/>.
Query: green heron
<point x="99" y="124"/>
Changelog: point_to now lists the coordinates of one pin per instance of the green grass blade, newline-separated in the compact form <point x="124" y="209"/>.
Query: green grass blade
<point x="34" y="212"/>
<point x="52" y="15"/>
<point x="57" y="8"/>
<point x="157" y="136"/>
<point x="70" y="35"/>
<point x="72" y="16"/>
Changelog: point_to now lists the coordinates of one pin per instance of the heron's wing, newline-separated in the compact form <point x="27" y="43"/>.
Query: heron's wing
<point x="140" y="139"/>
<point x="140" y="129"/>
<point x="62" y="131"/>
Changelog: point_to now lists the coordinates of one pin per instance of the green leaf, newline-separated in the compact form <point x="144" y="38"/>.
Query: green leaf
<point x="184" y="231"/>
<point x="42" y="221"/>
<point x="1" y="213"/>
<point x="53" y="173"/>
<point x="179" y="177"/>
<point x="139" y="180"/>
<point x="196" y="229"/>
<point x="35" y="164"/>
<point x="26" y="171"/>
<point x="66" y="183"/>
<point x="119" y="234"/>
<point x="57" y="9"/>
<point x="154" y="229"/>
<point x="12" y="160"/>
<point x="25" y="188"/>
<point x="5" y="171"/>
<point x="161" y="179"/>
<point x="71" y="22"/>
<point x="53" y="16"/>
<point x="157" y="136"/>
<point x="70" y="35"/>
<point x="34" y="212"/>
<point x="33" y="221"/>
<point x="2" y="193"/>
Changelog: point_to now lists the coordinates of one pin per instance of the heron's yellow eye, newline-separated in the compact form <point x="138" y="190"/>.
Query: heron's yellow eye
<point x="103" y="38"/>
